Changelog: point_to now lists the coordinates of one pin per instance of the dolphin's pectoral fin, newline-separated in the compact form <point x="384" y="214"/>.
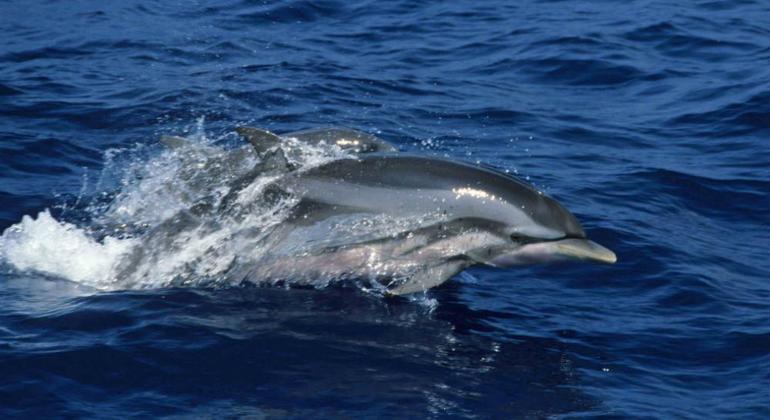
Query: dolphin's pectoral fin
<point x="427" y="277"/>
<point x="261" y="140"/>
<point x="173" y="142"/>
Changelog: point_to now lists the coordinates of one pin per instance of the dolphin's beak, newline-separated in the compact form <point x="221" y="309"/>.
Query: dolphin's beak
<point x="582" y="249"/>
<point x="550" y="251"/>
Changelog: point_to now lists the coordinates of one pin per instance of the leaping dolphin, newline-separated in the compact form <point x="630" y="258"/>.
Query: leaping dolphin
<point x="465" y="215"/>
<point x="403" y="221"/>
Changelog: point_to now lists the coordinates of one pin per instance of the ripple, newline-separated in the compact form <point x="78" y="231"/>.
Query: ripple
<point x="675" y="41"/>
<point x="295" y="11"/>
<point x="733" y="119"/>
<point x="6" y="90"/>
<point x="569" y="71"/>
<point x="713" y="197"/>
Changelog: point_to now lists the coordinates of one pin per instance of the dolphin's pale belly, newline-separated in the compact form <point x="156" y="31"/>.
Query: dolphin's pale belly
<point x="405" y="260"/>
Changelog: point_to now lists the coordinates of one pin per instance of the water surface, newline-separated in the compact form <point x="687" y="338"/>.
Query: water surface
<point x="648" y="120"/>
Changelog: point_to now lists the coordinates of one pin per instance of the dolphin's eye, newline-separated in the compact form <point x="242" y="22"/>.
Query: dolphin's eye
<point x="517" y="237"/>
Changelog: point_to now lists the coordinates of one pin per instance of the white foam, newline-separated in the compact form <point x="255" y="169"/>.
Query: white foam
<point x="62" y="249"/>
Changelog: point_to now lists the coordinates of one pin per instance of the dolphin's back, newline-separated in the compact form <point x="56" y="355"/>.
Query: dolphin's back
<point x="393" y="183"/>
<point x="346" y="138"/>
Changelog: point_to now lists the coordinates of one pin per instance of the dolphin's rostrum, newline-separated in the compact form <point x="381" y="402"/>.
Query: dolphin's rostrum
<point x="442" y="216"/>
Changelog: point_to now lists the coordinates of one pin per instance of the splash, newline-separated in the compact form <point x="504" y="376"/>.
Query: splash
<point x="144" y="235"/>
<point x="61" y="249"/>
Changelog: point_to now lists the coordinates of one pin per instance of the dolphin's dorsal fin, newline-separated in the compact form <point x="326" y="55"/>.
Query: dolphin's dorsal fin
<point x="173" y="142"/>
<point x="262" y="140"/>
<point x="274" y="161"/>
<point x="267" y="146"/>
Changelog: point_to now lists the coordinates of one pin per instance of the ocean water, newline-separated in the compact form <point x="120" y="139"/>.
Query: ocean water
<point x="649" y="120"/>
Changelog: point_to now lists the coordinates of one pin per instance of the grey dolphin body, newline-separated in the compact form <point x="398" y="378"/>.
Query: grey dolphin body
<point x="457" y="215"/>
<point x="403" y="221"/>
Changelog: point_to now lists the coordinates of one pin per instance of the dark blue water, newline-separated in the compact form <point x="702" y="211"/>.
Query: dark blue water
<point x="648" y="120"/>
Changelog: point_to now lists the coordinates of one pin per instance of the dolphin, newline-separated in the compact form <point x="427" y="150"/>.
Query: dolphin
<point x="403" y="222"/>
<point x="461" y="215"/>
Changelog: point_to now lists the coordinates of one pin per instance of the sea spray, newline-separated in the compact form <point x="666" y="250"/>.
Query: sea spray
<point x="62" y="249"/>
<point x="125" y="242"/>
